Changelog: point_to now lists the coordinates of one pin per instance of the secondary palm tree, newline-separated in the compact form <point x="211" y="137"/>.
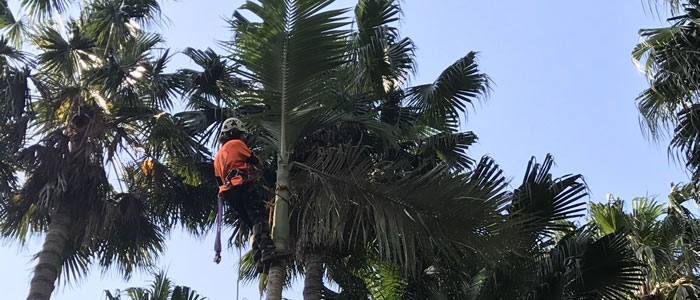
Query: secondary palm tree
<point x="665" y="240"/>
<point x="669" y="58"/>
<point x="574" y="265"/>
<point x="161" y="288"/>
<point x="98" y="105"/>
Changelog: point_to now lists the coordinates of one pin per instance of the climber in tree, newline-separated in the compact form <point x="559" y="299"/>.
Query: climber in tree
<point x="237" y="169"/>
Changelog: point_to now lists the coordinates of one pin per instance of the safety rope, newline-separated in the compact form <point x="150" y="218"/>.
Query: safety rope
<point x="217" y="242"/>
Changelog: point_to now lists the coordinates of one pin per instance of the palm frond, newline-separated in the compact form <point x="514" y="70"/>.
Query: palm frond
<point x="441" y="102"/>
<point x="44" y="8"/>
<point x="547" y="200"/>
<point x="609" y="217"/>
<point x="112" y="22"/>
<point x="609" y="269"/>
<point x="160" y="87"/>
<point x="14" y="93"/>
<point x="167" y="134"/>
<point x="185" y="293"/>
<point x="397" y="213"/>
<point x="215" y="84"/>
<point x="129" y="240"/>
<point x="13" y="28"/>
<point x="384" y="60"/>
<point x="580" y="267"/>
<point x="450" y="148"/>
<point x="10" y="55"/>
<point x="61" y="56"/>
<point x="686" y="139"/>
<point x="161" y="288"/>
<point x="289" y="65"/>
<point x="122" y="74"/>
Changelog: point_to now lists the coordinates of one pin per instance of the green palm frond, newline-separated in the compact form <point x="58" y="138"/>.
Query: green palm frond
<point x="14" y="29"/>
<point x="123" y="74"/>
<point x="129" y="240"/>
<point x="10" y="55"/>
<point x="667" y="54"/>
<point x="291" y="67"/>
<point x="44" y="8"/>
<point x="609" y="269"/>
<point x="214" y="84"/>
<point x="546" y="200"/>
<point x="644" y="219"/>
<point x="185" y="293"/>
<point x="441" y="102"/>
<point x="686" y="138"/>
<point x="14" y="93"/>
<point x="60" y="56"/>
<point x="6" y="16"/>
<point x="669" y="58"/>
<point x="450" y="148"/>
<point x="161" y="288"/>
<point x="168" y="135"/>
<point x="609" y="217"/>
<point x="384" y="60"/>
<point x="171" y="201"/>
<point x="374" y="14"/>
<point x="397" y="212"/>
<point x="581" y="267"/>
<point x="160" y="87"/>
<point x="344" y="273"/>
<point x="111" y="22"/>
<point x="137" y="294"/>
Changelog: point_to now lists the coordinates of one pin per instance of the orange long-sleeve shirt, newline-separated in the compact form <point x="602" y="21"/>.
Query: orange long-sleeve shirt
<point x="231" y="156"/>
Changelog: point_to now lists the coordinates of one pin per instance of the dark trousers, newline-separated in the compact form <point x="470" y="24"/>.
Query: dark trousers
<point x="247" y="204"/>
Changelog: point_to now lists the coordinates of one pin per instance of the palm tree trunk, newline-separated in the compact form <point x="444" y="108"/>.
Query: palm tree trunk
<point x="51" y="256"/>
<point x="275" y="281"/>
<point x="280" y="230"/>
<point x="313" y="284"/>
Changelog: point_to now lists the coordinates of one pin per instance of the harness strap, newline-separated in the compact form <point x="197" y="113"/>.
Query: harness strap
<point x="230" y="175"/>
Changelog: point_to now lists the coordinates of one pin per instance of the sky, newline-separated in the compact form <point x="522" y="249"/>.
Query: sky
<point x="564" y="83"/>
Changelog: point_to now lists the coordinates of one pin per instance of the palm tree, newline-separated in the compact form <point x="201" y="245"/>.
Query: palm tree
<point x="428" y="128"/>
<point x="422" y="119"/>
<point x="669" y="58"/>
<point x="286" y="56"/>
<point x="98" y="108"/>
<point x="574" y="265"/>
<point x="665" y="240"/>
<point x="302" y="107"/>
<point x="161" y="288"/>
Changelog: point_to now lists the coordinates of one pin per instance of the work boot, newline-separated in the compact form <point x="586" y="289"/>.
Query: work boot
<point x="262" y="243"/>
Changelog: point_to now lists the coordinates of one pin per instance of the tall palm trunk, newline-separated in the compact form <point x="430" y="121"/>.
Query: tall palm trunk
<point x="51" y="256"/>
<point x="280" y="230"/>
<point x="313" y="284"/>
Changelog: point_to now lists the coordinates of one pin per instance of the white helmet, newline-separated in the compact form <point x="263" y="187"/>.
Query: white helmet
<point x="233" y="123"/>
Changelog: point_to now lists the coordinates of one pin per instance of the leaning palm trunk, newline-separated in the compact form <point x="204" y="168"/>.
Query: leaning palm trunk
<point x="313" y="283"/>
<point x="51" y="256"/>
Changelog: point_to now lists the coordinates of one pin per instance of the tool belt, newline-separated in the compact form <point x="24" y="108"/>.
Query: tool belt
<point x="230" y="175"/>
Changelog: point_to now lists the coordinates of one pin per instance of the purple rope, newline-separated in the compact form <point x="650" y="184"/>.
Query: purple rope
<point x="217" y="242"/>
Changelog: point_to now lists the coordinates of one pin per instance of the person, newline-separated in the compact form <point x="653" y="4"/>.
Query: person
<point x="237" y="169"/>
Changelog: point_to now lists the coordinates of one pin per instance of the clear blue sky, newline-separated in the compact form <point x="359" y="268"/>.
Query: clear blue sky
<point x="564" y="84"/>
